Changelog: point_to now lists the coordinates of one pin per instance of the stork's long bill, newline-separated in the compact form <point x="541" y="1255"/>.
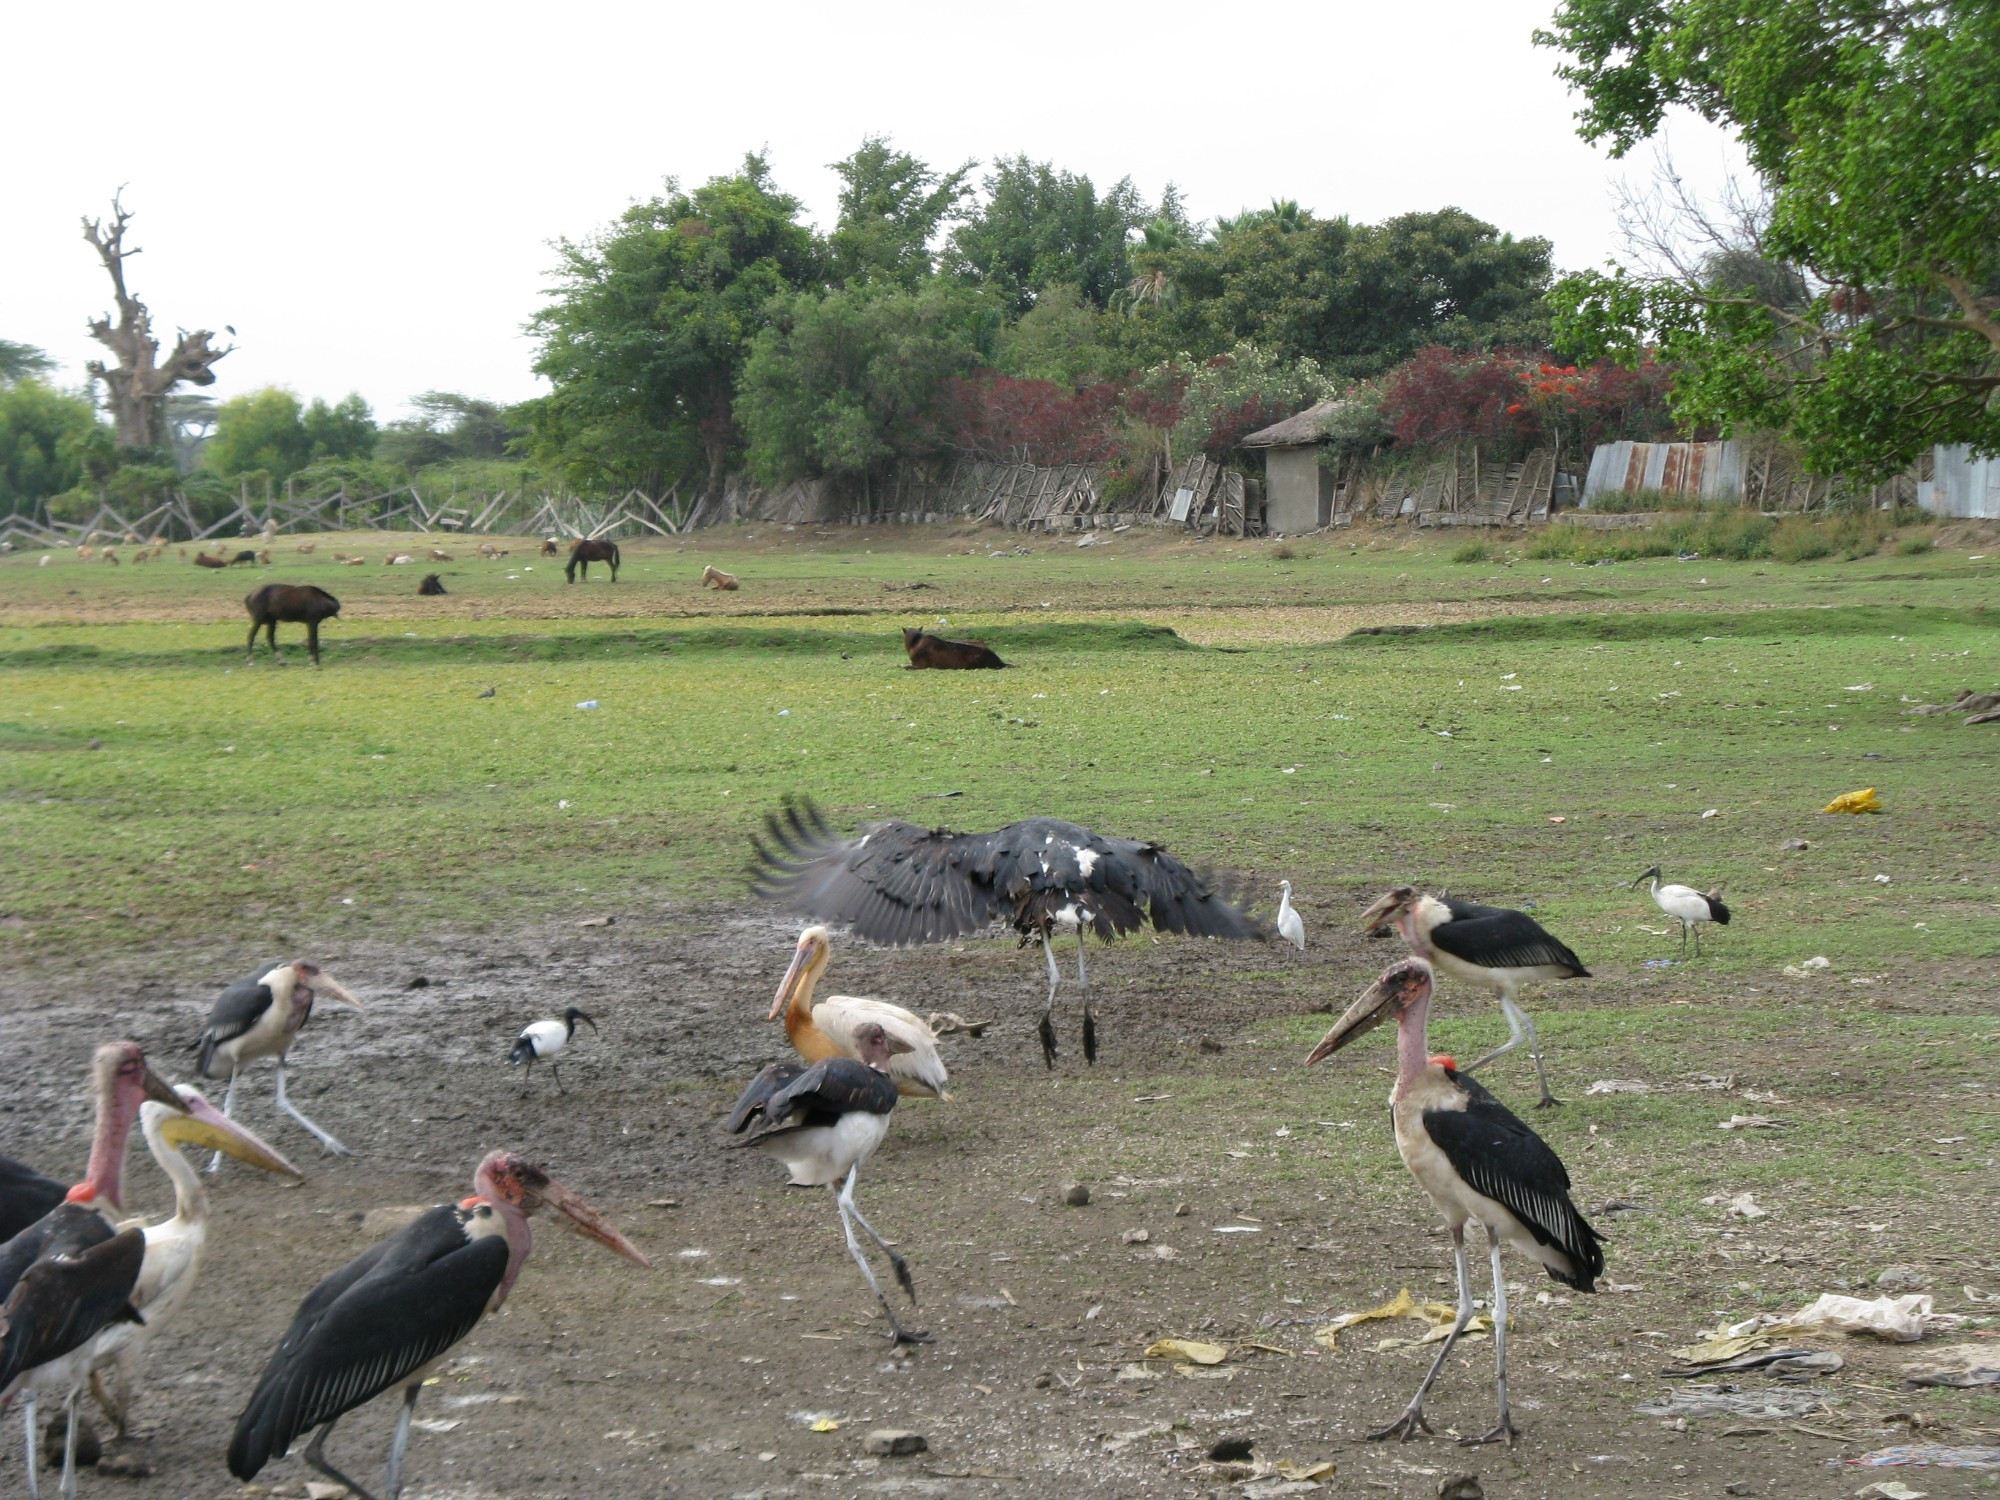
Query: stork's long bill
<point x="196" y="1122"/>
<point x="507" y="1178"/>
<point x="1402" y="985"/>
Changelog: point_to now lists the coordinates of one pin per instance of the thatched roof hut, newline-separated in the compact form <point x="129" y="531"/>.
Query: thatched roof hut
<point x="1298" y="492"/>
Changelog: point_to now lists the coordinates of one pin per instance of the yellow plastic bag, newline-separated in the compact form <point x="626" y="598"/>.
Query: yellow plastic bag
<point x="1864" y="801"/>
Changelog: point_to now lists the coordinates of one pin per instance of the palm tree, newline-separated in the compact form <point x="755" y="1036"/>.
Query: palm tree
<point x="1154" y="283"/>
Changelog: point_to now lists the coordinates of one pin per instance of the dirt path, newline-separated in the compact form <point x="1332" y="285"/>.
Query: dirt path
<point x="704" y="1377"/>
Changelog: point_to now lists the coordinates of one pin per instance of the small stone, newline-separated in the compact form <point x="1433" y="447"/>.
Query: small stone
<point x="1135" y="1236"/>
<point x="1235" y="1473"/>
<point x="378" y="1223"/>
<point x="1210" y="1044"/>
<point x="1181" y="1210"/>
<point x="1739" y="1488"/>
<point x="1902" y="1279"/>
<point x="1230" y="1450"/>
<point x="1075" y="1194"/>
<point x="1794" y="845"/>
<point x="1460" y="1487"/>
<point x="95" y="745"/>
<point x="124" y="1466"/>
<point x="315" y="1490"/>
<point x="894" y="1442"/>
<point x="1043" y="1381"/>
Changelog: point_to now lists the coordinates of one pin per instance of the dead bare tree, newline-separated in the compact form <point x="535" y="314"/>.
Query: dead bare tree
<point x="138" y="383"/>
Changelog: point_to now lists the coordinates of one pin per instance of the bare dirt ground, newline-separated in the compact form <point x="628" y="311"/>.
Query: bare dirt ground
<point x="705" y="1376"/>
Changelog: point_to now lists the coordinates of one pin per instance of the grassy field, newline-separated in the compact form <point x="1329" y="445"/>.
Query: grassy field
<point x="1207" y="695"/>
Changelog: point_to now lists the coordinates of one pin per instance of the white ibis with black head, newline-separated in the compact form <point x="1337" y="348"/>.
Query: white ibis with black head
<point x="174" y="1246"/>
<point x="261" y="1017"/>
<point x="1493" y="946"/>
<point x="1687" y="906"/>
<point x="1291" y="926"/>
<point x="832" y="1027"/>
<point x="900" y="884"/>
<point x="823" y="1122"/>
<point x="1479" y="1163"/>
<point x="383" y="1320"/>
<point x="543" y="1041"/>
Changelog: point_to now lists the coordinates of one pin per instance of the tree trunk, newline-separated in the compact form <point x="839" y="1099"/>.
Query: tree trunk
<point x="136" y="386"/>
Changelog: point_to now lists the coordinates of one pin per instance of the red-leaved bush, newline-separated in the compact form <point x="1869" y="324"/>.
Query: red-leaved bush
<point x="1002" y="417"/>
<point x="1513" y="401"/>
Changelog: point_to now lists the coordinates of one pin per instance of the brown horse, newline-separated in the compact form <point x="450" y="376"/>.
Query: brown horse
<point x="294" y="604"/>
<point x="938" y="651"/>
<point x="587" y="551"/>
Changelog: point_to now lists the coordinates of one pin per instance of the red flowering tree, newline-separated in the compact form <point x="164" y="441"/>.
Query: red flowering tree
<point x="1510" y="402"/>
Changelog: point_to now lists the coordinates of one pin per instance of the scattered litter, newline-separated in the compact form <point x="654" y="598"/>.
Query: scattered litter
<point x="1936" y="1455"/>
<point x="1807" y="969"/>
<point x="1236" y="1229"/>
<point x="1558" y="818"/>
<point x="1902" y="1320"/>
<point x="596" y="921"/>
<point x="1191" y="1350"/>
<point x="1728" y="1401"/>
<point x="1306" y="1473"/>
<point x="1439" y="1315"/>
<point x="824" y="1424"/>
<point x="1795" y="845"/>
<point x="1889" y="1489"/>
<point x="1742" y="1206"/>
<point x="1713" y="1358"/>
<point x="1864" y="801"/>
<point x="1619" y="1086"/>
<point x="1962" y="1366"/>
<point x="1860" y="687"/>
<point x="1713" y="812"/>
<point x="1659" y="963"/>
<point x="1751" y="1122"/>
<point x="436" y="1424"/>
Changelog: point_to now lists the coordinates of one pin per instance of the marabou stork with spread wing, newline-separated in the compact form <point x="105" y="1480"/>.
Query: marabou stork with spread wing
<point x="1478" y="1162"/>
<point x="1492" y="946"/>
<point x="261" y="1017"/>
<point x="823" y="1122"/>
<point x="900" y="884"/>
<point x="383" y="1320"/>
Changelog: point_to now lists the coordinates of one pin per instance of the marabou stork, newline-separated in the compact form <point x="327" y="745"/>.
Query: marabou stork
<point x="67" y="1280"/>
<point x="1477" y="1161"/>
<point x="1291" y="926"/>
<point x="900" y="884"/>
<point x="823" y="1122"/>
<point x="543" y="1041"/>
<point x="1492" y="946"/>
<point x="1687" y="906"/>
<point x="261" y="1017"/>
<point x="25" y="1195"/>
<point x="832" y="1027"/>
<point x="383" y="1320"/>
<point x="174" y="1246"/>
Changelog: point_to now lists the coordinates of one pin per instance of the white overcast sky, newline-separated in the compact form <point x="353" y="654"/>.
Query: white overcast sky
<point x="367" y="191"/>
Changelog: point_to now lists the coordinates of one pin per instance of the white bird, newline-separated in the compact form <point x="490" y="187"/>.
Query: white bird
<point x="543" y="1041"/>
<point x="832" y="1028"/>
<point x="1687" y="906"/>
<point x="1290" y="927"/>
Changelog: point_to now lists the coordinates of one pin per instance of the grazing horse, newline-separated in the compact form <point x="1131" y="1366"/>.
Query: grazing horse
<point x="927" y="650"/>
<point x="432" y="584"/>
<point x="587" y="551"/>
<point x="294" y="604"/>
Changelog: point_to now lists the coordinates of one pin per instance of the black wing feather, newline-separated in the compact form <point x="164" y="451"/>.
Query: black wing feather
<point x="367" y="1328"/>
<point x="1717" y="912"/>
<point x="899" y="884"/>
<point x="25" y="1197"/>
<point x="785" y="1097"/>
<point x="235" y="1011"/>
<point x="66" y="1229"/>
<point x="1493" y="1149"/>
<point x="66" y="1298"/>
<point x="1496" y="937"/>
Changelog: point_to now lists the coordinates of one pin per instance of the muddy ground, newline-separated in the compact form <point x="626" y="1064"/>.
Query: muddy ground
<point x="704" y="1376"/>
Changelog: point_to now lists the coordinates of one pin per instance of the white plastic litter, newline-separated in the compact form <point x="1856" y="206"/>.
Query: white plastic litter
<point x="1901" y="1320"/>
<point x="590" y="703"/>
<point x="1808" y="968"/>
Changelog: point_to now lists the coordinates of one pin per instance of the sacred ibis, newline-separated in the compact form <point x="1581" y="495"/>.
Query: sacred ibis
<point x="1478" y="1162"/>
<point x="831" y="1027"/>
<point x="261" y="1017"/>
<point x="1291" y="927"/>
<point x="823" y="1122"/>
<point x="900" y="884"/>
<point x="1492" y="946"/>
<point x="1687" y="906"/>
<point x="543" y="1041"/>
<point x="387" y="1317"/>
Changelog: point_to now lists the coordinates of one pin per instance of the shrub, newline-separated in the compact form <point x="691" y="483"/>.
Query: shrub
<point x="1914" y="546"/>
<point x="1472" y="552"/>
<point x="1283" y="552"/>
<point x="1798" y="540"/>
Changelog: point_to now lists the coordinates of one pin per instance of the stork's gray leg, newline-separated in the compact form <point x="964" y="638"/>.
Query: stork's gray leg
<point x="1520" y="1028"/>
<point x="315" y="1455"/>
<point x="1696" y="928"/>
<point x="1411" y="1422"/>
<point x="28" y="1417"/>
<point x="1089" y="1021"/>
<point x="324" y="1137"/>
<point x="392" y="1486"/>
<point x="1503" y="1431"/>
<point x="900" y="1335"/>
<point x="229" y="1109"/>
<point x="902" y="1266"/>
<point x="1048" y="1027"/>
<point x="69" y="1444"/>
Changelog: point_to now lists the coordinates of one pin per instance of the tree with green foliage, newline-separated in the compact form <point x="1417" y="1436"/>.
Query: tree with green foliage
<point x="20" y="361"/>
<point x="1877" y="131"/>
<point x="43" y="434"/>
<point x="344" y="430"/>
<point x="269" y="432"/>
<point x="1039" y="227"/>
<point x="1235" y="394"/>
<point x="848" y="383"/>
<point x="1063" y="339"/>
<point x="448" y="427"/>
<point x="891" y="207"/>
<point x="650" y="322"/>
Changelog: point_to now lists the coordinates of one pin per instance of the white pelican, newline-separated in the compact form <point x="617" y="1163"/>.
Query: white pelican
<point x="832" y="1028"/>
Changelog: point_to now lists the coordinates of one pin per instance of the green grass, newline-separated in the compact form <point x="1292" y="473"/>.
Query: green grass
<point x="265" y="799"/>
